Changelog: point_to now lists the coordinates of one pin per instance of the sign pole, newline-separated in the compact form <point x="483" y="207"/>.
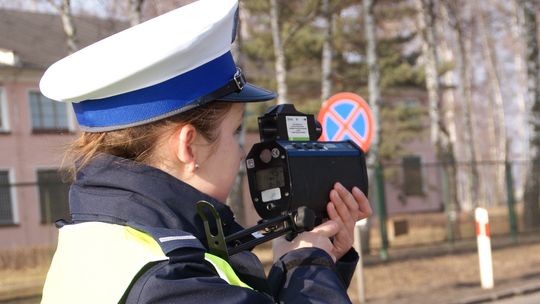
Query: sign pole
<point x="346" y="116"/>
<point x="484" y="247"/>
<point x="360" y="266"/>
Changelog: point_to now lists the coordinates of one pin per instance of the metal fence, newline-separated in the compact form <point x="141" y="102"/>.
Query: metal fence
<point x="414" y="203"/>
<point x="433" y="203"/>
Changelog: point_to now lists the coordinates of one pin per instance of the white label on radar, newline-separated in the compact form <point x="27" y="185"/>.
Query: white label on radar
<point x="271" y="195"/>
<point x="297" y="128"/>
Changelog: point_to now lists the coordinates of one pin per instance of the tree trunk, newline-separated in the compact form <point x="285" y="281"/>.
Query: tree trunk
<point x="236" y="197"/>
<point x="439" y="132"/>
<point x="448" y="98"/>
<point x="519" y="68"/>
<point x="499" y="121"/>
<point x="64" y="8"/>
<point x="135" y="11"/>
<point x="426" y="21"/>
<point x="531" y="212"/>
<point x="326" y="64"/>
<point x="241" y="34"/>
<point x="279" y="53"/>
<point x="374" y="98"/>
<point x="465" y="95"/>
<point x="373" y="79"/>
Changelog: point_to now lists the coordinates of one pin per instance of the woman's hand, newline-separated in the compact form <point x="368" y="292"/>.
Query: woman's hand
<point x="346" y="209"/>
<point x="318" y="237"/>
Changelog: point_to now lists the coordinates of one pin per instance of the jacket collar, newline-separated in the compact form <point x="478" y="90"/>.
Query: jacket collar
<point x="113" y="189"/>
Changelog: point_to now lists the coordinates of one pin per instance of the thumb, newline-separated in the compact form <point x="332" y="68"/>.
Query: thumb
<point x="327" y="229"/>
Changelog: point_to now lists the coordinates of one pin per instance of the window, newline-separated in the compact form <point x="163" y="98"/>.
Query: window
<point x="53" y="196"/>
<point x="48" y="115"/>
<point x="412" y="175"/>
<point x="6" y="200"/>
<point x="4" y="123"/>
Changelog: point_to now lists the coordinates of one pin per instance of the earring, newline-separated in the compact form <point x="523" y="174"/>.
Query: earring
<point x="197" y="166"/>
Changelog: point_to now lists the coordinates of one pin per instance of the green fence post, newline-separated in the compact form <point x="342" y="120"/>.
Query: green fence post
<point x="381" y="210"/>
<point x="511" y="201"/>
<point x="450" y="235"/>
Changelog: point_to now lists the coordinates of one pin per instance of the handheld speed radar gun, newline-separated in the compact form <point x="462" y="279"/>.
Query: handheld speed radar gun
<point x="290" y="176"/>
<point x="290" y="169"/>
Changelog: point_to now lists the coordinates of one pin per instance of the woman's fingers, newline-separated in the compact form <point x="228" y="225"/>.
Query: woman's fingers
<point x="346" y="197"/>
<point x="343" y="240"/>
<point x="347" y="215"/>
<point x="357" y="203"/>
<point x="327" y="229"/>
<point x="333" y="213"/>
<point x="346" y="205"/>
<point x="345" y="230"/>
<point x="345" y="208"/>
<point x="364" y="209"/>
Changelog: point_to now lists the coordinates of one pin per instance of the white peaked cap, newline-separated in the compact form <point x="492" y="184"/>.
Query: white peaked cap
<point x="153" y="70"/>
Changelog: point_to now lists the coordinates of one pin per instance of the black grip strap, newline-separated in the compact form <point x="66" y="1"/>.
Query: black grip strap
<point x="235" y="85"/>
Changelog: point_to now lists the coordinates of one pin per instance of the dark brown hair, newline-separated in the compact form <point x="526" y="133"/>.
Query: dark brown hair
<point x="138" y="143"/>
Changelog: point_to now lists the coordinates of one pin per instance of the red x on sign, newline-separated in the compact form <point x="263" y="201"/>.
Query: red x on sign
<point x="346" y="116"/>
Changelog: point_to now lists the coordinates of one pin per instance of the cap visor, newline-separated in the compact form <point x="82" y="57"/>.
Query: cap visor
<point x="248" y="94"/>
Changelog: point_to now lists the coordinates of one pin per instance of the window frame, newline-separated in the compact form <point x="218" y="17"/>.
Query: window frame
<point x="422" y="176"/>
<point x="4" y="111"/>
<point x="70" y="117"/>
<point x="15" y="219"/>
<point x="38" y="169"/>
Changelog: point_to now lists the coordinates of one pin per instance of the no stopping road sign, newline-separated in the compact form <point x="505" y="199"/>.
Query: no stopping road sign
<point x="346" y="116"/>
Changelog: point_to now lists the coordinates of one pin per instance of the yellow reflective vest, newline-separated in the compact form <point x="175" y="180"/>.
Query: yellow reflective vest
<point x="96" y="262"/>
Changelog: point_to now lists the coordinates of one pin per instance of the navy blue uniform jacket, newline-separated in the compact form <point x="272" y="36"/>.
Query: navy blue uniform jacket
<point x="115" y="190"/>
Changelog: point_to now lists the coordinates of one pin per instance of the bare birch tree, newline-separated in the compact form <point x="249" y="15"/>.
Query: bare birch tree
<point x="531" y="213"/>
<point x="447" y="87"/>
<point x="279" y="53"/>
<point x="520" y="92"/>
<point x="135" y="11"/>
<point x="326" y="62"/>
<point x="465" y="93"/>
<point x="64" y="8"/>
<point x="373" y="78"/>
<point x="374" y="96"/>
<point x="236" y="198"/>
<point x="498" y="122"/>
<point x="439" y="133"/>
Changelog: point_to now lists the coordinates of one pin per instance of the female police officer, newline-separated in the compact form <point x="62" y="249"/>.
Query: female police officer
<point x="160" y="105"/>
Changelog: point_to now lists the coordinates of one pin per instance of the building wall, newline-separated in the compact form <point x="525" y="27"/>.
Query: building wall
<point x="23" y="153"/>
<point x="397" y="202"/>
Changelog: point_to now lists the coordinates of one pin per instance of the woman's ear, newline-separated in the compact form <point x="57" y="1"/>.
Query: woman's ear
<point x="186" y="135"/>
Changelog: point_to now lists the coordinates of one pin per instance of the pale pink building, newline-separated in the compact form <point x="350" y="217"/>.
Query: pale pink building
<point x="33" y="130"/>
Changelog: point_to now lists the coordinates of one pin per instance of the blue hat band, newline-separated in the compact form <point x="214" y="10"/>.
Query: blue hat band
<point x="148" y="104"/>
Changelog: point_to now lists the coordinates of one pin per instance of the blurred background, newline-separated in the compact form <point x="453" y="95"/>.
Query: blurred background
<point x="454" y="87"/>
